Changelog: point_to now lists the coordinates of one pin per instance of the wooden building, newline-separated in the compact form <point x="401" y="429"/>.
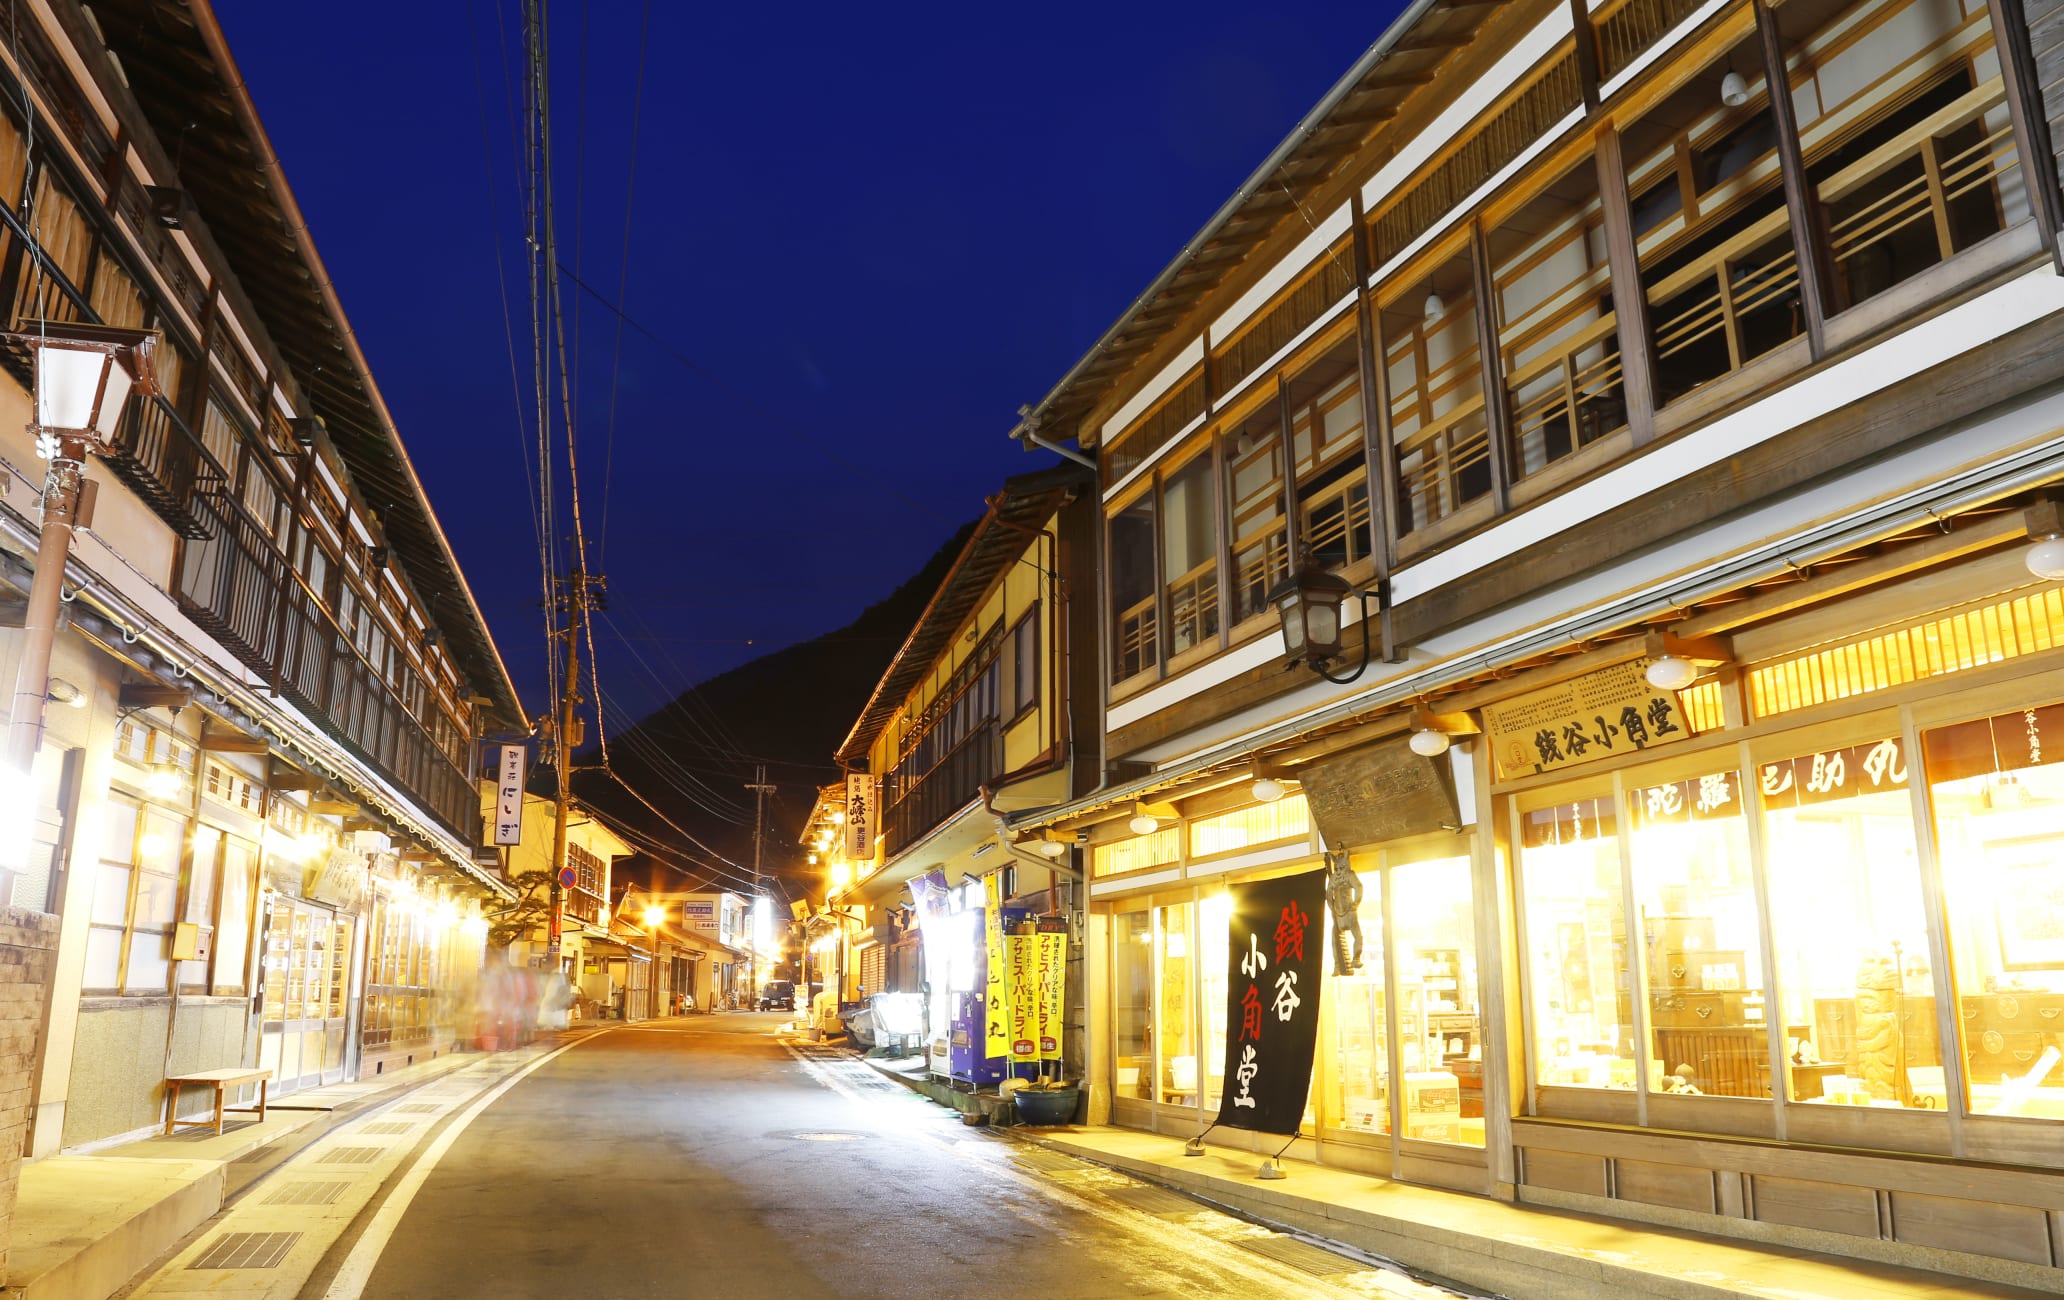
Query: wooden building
<point x="1689" y="451"/>
<point x="258" y="822"/>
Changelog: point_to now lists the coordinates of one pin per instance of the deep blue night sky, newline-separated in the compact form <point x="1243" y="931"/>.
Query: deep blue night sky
<point x="880" y="229"/>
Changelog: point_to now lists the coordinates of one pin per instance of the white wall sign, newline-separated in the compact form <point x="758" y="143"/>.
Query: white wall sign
<point x="508" y="821"/>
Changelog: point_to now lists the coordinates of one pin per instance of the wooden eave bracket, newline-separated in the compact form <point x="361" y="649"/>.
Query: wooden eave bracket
<point x="150" y="695"/>
<point x="1706" y="651"/>
<point x="1452" y="724"/>
<point x="2044" y="519"/>
<point x="330" y="805"/>
<point x="282" y="777"/>
<point x="219" y="738"/>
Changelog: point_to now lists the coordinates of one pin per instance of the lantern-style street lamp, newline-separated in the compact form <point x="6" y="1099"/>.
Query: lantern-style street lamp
<point x="1309" y="602"/>
<point x="83" y="376"/>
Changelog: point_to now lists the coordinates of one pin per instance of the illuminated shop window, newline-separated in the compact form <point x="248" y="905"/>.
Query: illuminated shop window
<point x="1694" y="887"/>
<point x="1439" y="1021"/>
<point x="1361" y="1036"/>
<point x="1175" y="1043"/>
<point x="1133" y="980"/>
<point x="1998" y="792"/>
<point x="1954" y="643"/>
<point x="1137" y="853"/>
<point x="1289" y="818"/>
<point x="1576" y="932"/>
<point x="1849" y="929"/>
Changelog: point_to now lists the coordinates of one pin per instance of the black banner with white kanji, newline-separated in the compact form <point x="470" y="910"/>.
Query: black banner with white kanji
<point x="1276" y="953"/>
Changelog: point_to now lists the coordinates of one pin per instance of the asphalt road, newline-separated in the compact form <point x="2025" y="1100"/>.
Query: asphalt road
<point x="704" y="1157"/>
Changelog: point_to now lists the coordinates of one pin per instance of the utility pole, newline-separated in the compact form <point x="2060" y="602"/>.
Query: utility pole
<point x="579" y="596"/>
<point x="760" y="790"/>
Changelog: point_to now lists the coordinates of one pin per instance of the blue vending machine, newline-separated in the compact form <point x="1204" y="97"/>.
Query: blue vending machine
<point x="965" y="1059"/>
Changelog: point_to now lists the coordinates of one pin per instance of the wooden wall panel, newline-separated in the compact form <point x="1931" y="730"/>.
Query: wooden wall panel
<point x="1564" y="1171"/>
<point x="1980" y="1227"/>
<point x="1678" y="1186"/>
<point x="1828" y="1207"/>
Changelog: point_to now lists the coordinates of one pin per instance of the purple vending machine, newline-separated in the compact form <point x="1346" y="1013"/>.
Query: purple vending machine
<point x="969" y="1066"/>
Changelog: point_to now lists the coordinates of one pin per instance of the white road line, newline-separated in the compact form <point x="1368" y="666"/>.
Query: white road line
<point x="358" y="1266"/>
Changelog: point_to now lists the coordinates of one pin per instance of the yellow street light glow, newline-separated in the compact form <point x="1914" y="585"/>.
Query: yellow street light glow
<point x="654" y="916"/>
<point x="839" y="818"/>
<point x="163" y="782"/>
<point x="841" y="874"/>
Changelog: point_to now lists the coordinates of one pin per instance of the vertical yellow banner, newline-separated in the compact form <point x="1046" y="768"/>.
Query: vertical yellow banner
<point x="1053" y="982"/>
<point x="1024" y="997"/>
<point x="995" y="1014"/>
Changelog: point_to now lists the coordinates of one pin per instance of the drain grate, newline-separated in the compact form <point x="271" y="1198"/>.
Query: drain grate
<point x="350" y="1155"/>
<point x="418" y="1108"/>
<point x="1045" y="1161"/>
<point x="1153" y="1200"/>
<point x="308" y="1194"/>
<point x="388" y="1128"/>
<point x="247" y="1250"/>
<point x="1302" y="1256"/>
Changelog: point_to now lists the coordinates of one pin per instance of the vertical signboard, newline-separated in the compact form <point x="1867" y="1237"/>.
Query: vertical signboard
<point x="1053" y="980"/>
<point x="862" y="811"/>
<point x="995" y="1014"/>
<point x="508" y="821"/>
<point x="1274" y="946"/>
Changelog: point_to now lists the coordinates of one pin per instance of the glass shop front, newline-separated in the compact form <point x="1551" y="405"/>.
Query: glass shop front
<point x="1399" y="1068"/>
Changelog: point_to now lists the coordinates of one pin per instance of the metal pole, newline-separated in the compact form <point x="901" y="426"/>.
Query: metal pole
<point x="62" y="484"/>
<point x="760" y="790"/>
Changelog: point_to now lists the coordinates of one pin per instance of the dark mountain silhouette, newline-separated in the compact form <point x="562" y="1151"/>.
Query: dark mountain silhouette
<point x="692" y="758"/>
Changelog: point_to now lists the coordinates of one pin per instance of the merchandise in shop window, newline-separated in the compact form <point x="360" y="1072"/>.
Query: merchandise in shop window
<point x="1440" y="1046"/>
<point x="1576" y="931"/>
<point x="1997" y="787"/>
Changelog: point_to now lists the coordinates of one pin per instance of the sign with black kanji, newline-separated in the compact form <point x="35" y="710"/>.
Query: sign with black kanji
<point x="1275" y="956"/>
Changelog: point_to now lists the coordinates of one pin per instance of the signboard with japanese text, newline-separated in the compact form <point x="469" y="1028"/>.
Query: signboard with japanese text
<point x="1702" y="798"/>
<point x="863" y="807"/>
<point x="1833" y="774"/>
<point x="508" y="820"/>
<point x="1051" y="988"/>
<point x="1612" y="711"/>
<point x="996" y="1039"/>
<point x="1379" y="792"/>
<point x="1023" y="955"/>
<point x="340" y="880"/>
<point x="1275" y="948"/>
<point x="2010" y="742"/>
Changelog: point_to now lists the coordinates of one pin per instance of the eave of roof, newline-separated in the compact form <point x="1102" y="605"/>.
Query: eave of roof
<point x="1026" y="502"/>
<point x="179" y="67"/>
<point x="1390" y="71"/>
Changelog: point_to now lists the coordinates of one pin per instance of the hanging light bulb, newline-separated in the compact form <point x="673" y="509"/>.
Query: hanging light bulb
<point x="1435" y="308"/>
<point x="1671" y="673"/>
<point x="1144" y="823"/>
<point x="1268" y="789"/>
<point x="1052" y="848"/>
<point x="1734" y="90"/>
<point x="163" y="781"/>
<point x="2045" y="559"/>
<point x="1429" y="743"/>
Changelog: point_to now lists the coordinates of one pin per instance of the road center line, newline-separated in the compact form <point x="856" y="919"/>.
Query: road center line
<point x="357" y="1269"/>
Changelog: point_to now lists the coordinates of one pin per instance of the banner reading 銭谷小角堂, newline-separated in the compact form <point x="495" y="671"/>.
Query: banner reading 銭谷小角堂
<point x="1275" y="952"/>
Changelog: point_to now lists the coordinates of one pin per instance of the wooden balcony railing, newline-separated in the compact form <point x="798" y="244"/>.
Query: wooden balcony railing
<point x="161" y="460"/>
<point x="1729" y="305"/>
<point x="234" y="584"/>
<point x="1563" y="376"/>
<point x="1929" y="192"/>
<point x="917" y="803"/>
<point x="1260" y="561"/>
<point x="1193" y="608"/>
<point x="1444" y="467"/>
<point x="1626" y="29"/>
<point x="1336" y="520"/>
<point x="1138" y="645"/>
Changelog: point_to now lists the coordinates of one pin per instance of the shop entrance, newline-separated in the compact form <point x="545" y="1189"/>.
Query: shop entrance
<point x="307" y="994"/>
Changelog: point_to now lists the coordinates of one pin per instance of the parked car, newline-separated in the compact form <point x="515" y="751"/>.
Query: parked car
<point x="778" y="995"/>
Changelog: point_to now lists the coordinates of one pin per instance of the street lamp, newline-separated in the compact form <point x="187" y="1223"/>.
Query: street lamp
<point x="83" y="377"/>
<point x="1309" y="604"/>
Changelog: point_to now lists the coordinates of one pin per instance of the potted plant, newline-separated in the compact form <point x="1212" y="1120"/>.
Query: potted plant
<point x="1046" y="1102"/>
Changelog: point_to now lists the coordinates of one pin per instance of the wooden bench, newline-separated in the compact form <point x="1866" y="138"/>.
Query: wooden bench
<point x="221" y="1081"/>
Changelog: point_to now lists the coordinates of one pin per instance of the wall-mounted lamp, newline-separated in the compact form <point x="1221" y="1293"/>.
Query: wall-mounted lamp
<point x="1675" y="662"/>
<point x="1147" y="817"/>
<point x="2045" y="558"/>
<point x="1269" y="781"/>
<point x="63" y="692"/>
<point x="1432" y="732"/>
<point x="1309" y="604"/>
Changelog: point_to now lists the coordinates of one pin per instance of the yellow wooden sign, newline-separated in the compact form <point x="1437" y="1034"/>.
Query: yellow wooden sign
<point x="1612" y="711"/>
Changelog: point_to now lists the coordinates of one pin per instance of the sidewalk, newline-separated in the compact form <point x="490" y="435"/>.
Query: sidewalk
<point x="1515" y="1250"/>
<point x="85" y="1225"/>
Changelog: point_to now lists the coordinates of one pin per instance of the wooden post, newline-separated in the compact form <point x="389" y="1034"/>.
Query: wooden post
<point x="1630" y="300"/>
<point x="1587" y="53"/>
<point x="1809" y="232"/>
<point x="1491" y="374"/>
<point x="2031" y="126"/>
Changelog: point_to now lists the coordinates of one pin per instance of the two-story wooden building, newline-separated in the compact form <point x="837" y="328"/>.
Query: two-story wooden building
<point x="970" y="722"/>
<point x="257" y="819"/>
<point x="1677" y="459"/>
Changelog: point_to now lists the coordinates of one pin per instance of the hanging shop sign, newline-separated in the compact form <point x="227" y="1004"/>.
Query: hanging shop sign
<point x="1833" y="774"/>
<point x="996" y="1038"/>
<point x="2011" y="742"/>
<point x="1379" y="793"/>
<point x="1703" y="798"/>
<point x="1612" y="711"/>
<point x="339" y="879"/>
<point x="1275" y="944"/>
<point x="1052" y="971"/>
<point x="1023" y="954"/>
<point x="863" y="806"/>
<point x="508" y="821"/>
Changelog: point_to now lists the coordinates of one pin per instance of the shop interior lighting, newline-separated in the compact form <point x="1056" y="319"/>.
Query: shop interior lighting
<point x="1675" y="662"/>
<point x="1432" y="732"/>
<point x="2045" y="558"/>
